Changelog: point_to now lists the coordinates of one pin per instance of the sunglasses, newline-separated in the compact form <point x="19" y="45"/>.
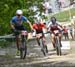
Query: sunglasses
<point x="18" y="15"/>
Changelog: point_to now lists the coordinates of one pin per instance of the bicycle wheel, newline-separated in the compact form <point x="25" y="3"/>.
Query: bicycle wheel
<point x="43" y="48"/>
<point x="58" y="47"/>
<point x="23" y="48"/>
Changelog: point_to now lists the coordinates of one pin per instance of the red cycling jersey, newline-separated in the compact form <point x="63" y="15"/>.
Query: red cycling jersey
<point x="65" y="30"/>
<point x="54" y="27"/>
<point x="38" y="27"/>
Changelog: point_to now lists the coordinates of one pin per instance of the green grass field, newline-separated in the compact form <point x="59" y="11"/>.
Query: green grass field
<point x="65" y="16"/>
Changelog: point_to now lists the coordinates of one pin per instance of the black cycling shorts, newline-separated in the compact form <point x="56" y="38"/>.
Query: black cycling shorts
<point x="19" y="28"/>
<point x="37" y="32"/>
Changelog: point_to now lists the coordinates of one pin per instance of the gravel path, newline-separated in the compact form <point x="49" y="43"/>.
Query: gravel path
<point x="35" y="57"/>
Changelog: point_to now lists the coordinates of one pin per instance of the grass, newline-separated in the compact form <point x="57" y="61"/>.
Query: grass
<point x="8" y="42"/>
<point x="65" y="16"/>
<point x="5" y="42"/>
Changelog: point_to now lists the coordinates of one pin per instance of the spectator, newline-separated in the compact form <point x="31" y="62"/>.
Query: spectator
<point x="71" y="31"/>
<point x="47" y="7"/>
<point x="65" y="32"/>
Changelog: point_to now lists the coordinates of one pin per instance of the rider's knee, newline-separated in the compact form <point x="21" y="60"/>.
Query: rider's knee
<point x="44" y="39"/>
<point x="60" y="35"/>
<point x="52" y="36"/>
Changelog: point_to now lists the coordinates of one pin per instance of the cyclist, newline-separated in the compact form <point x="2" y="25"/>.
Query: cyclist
<point x="38" y="27"/>
<point x="52" y="27"/>
<point x="16" y="23"/>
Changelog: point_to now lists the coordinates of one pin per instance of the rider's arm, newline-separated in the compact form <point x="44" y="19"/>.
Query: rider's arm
<point x="60" y="27"/>
<point x="34" y="30"/>
<point x="25" y="19"/>
<point x="30" y="24"/>
<point x="49" y="27"/>
<point x="12" y="24"/>
<point x="45" y="27"/>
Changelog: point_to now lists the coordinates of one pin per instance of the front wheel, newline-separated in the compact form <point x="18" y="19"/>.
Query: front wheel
<point x="23" y="48"/>
<point x="23" y="52"/>
<point x="58" y="51"/>
<point x="43" y="47"/>
<point x="58" y="46"/>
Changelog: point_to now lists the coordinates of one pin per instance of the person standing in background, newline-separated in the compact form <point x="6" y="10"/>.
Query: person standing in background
<point x="65" y="33"/>
<point x="71" y="31"/>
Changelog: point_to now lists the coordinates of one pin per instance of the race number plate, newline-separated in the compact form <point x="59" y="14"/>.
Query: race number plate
<point x="56" y="31"/>
<point x="24" y="33"/>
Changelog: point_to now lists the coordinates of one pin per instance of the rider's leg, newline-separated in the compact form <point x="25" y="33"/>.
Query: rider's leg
<point x="16" y="37"/>
<point x="17" y="41"/>
<point x="38" y="41"/>
<point x="37" y="38"/>
<point x="53" y="39"/>
<point x="71" y="35"/>
<point x="67" y="35"/>
<point x="44" y="40"/>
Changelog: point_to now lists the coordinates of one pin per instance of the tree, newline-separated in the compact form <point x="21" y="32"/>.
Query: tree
<point x="8" y="8"/>
<point x="71" y="2"/>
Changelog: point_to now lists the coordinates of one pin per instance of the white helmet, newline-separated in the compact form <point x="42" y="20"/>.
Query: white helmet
<point x="19" y="12"/>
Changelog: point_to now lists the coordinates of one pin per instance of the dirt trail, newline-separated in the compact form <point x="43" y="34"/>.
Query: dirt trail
<point x="35" y="57"/>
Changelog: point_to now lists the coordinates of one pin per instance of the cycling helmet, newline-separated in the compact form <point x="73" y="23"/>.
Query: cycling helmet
<point x="53" y="20"/>
<point x="19" y="12"/>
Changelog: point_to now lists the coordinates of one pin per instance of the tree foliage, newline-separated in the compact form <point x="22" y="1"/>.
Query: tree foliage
<point x="8" y="8"/>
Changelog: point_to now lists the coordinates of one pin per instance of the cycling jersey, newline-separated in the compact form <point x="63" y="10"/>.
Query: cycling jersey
<point x="54" y="27"/>
<point x="21" y="27"/>
<point x="18" y="21"/>
<point x="65" y="30"/>
<point x="38" y="27"/>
